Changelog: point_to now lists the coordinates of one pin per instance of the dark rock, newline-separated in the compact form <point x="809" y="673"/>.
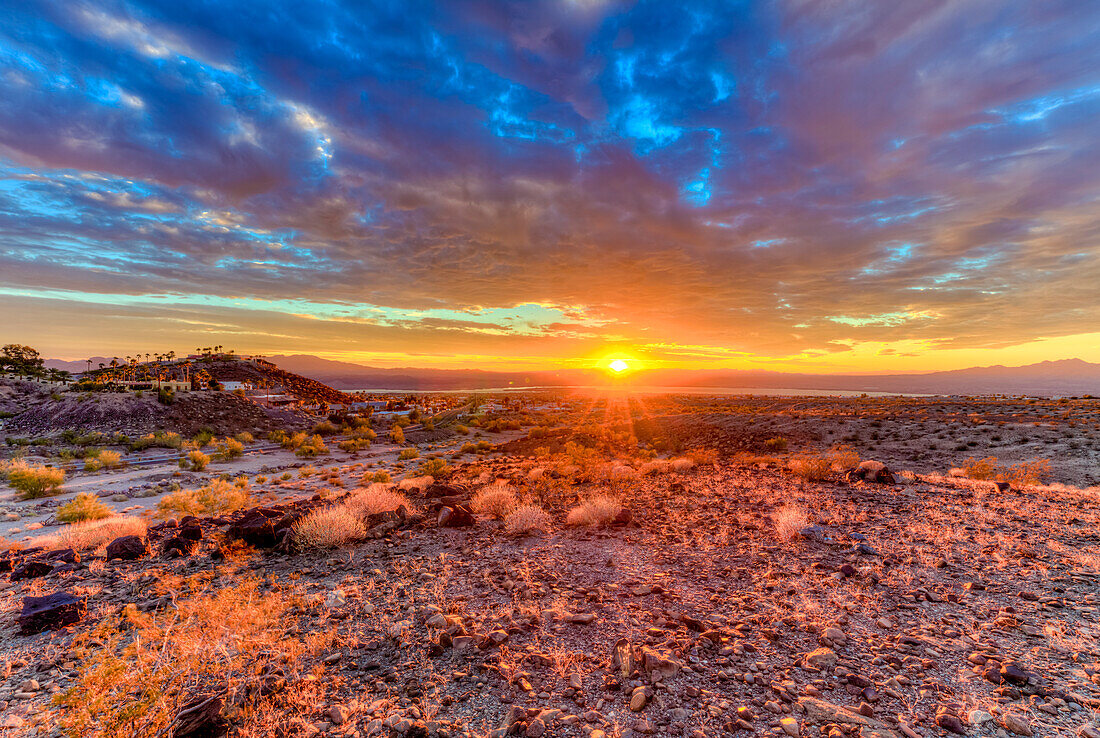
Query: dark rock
<point x="201" y="718"/>
<point x="256" y="528"/>
<point x="950" y="721"/>
<point x="871" y="471"/>
<point x="67" y="555"/>
<point x="181" y="545"/>
<point x="1013" y="673"/>
<point x="190" y="533"/>
<point x="847" y="570"/>
<point x="128" y="548"/>
<point x="441" y="489"/>
<point x="51" y="612"/>
<point x="31" y="570"/>
<point x="455" y="517"/>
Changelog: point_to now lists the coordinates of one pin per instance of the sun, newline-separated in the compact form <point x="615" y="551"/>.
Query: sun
<point x="618" y="366"/>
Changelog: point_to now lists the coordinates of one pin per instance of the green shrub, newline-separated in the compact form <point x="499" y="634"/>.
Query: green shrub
<point x="434" y="468"/>
<point x="315" y="446"/>
<point x="85" y="506"/>
<point x="408" y="453"/>
<point x="776" y="444"/>
<point x="396" y="434"/>
<point x="229" y="449"/>
<point x="35" y="481"/>
<point x="216" y="498"/>
<point x="325" y="428"/>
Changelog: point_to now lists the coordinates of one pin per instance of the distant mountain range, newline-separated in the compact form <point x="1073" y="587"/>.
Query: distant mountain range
<point x="1063" y="377"/>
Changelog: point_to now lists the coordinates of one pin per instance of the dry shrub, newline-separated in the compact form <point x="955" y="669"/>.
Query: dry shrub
<point x="375" y="499"/>
<point x="329" y="527"/>
<point x="195" y="461"/>
<point x="703" y="456"/>
<point x="94" y="534"/>
<point x="495" y="500"/>
<point x="1024" y="474"/>
<point x="596" y="512"/>
<point x="110" y="459"/>
<point x="536" y="473"/>
<point x="682" y="465"/>
<point x="842" y="458"/>
<point x="527" y="519"/>
<point x="417" y="483"/>
<point x="789" y="520"/>
<point x="85" y="506"/>
<point x="657" y="466"/>
<point x="216" y="498"/>
<point x="810" y="468"/>
<point x="138" y="669"/>
<point x="616" y="471"/>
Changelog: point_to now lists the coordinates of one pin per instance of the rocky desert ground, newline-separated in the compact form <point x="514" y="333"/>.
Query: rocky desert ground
<point x="591" y="567"/>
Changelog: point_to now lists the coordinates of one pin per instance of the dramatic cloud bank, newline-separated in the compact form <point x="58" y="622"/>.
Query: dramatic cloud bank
<point x="541" y="180"/>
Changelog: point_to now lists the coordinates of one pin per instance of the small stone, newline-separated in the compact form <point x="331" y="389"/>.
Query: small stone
<point x="1016" y="723"/>
<point x="790" y="726"/>
<point x="821" y="659"/>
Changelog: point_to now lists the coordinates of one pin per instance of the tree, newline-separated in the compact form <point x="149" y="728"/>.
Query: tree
<point x="19" y="359"/>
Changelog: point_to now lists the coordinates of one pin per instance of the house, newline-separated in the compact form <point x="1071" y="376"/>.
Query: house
<point x="231" y="386"/>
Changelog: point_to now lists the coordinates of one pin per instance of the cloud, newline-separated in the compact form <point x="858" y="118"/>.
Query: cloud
<point x="771" y="178"/>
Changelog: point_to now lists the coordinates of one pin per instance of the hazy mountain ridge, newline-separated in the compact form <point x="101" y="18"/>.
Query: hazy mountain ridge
<point x="1059" y="377"/>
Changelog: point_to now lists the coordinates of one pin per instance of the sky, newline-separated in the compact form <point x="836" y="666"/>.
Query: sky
<point x="842" y="186"/>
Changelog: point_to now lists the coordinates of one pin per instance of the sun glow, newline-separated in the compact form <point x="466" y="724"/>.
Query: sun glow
<point x="618" y="366"/>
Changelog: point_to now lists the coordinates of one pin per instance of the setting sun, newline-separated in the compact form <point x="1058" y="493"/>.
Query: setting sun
<point x="618" y="366"/>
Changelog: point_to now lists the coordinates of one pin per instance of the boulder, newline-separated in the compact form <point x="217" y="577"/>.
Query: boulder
<point x="822" y="659"/>
<point x="51" y="612"/>
<point x="256" y="528"/>
<point x="441" y="489"/>
<point x="455" y="517"/>
<point x="871" y="471"/>
<point x="181" y="545"/>
<point x="127" y="548"/>
<point x="31" y="570"/>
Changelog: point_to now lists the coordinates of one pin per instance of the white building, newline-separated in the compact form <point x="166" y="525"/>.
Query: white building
<point x="230" y="386"/>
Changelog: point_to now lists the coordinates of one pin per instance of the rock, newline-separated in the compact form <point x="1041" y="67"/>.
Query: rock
<point x="581" y="618"/>
<point x="440" y="489"/>
<point x="790" y="726"/>
<point x="623" y="659"/>
<point x="455" y="517"/>
<point x="871" y="471"/>
<point x="127" y="548"/>
<point x="658" y="667"/>
<point x="1016" y="723"/>
<point x="639" y="698"/>
<point x="31" y="570"/>
<point x="256" y="528"/>
<point x="824" y="712"/>
<point x="11" y="722"/>
<point x="180" y="545"/>
<point x="535" y="728"/>
<point x="190" y="533"/>
<point x="51" y="612"/>
<point x="822" y="659"/>
<point x="1013" y="673"/>
<point x="201" y="717"/>
<point x="337" y="715"/>
<point x="978" y="718"/>
<point x="950" y="721"/>
<point x="1088" y="730"/>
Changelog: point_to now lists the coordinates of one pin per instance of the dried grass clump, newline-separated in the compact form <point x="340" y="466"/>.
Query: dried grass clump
<point x="330" y="527"/>
<point x="93" y="534"/>
<point x="810" y="468"/>
<point x="527" y="519"/>
<point x="789" y="520"/>
<point x="681" y="465"/>
<point x="1025" y="474"/>
<point x="495" y="500"/>
<point x="216" y="498"/>
<point x="418" y="483"/>
<point x="703" y="456"/>
<point x="595" y="512"/>
<point x="85" y="506"/>
<point x="842" y="458"/>
<point x="110" y="459"/>
<point x="657" y="466"/>
<point x="377" y="498"/>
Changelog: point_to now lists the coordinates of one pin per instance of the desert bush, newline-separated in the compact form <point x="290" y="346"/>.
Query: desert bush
<point x="682" y="465"/>
<point x="277" y="436"/>
<point x="94" y="534"/>
<point x="138" y="669"/>
<point x="329" y="527"/>
<point x="417" y="483"/>
<point x="789" y="520"/>
<point x="157" y="439"/>
<point x="91" y="464"/>
<point x="203" y="438"/>
<point x="461" y="429"/>
<point x="216" y="498"/>
<point x="375" y="499"/>
<point x="194" y="460"/>
<point x="353" y="445"/>
<point x="293" y="441"/>
<point x="110" y="459"/>
<point x="325" y="428"/>
<point x="527" y="519"/>
<point x="594" y="512"/>
<point x="245" y="437"/>
<point x="35" y="481"/>
<point x="657" y="466"/>
<point x="778" y="443"/>
<point x="810" y="468"/>
<point x="842" y="458"/>
<point x="229" y="449"/>
<point x="378" y="476"/>
<point x="396" y="434"/>
<point x="85" y="506"/>
<point x="495" y="500"/>
<point x="1026" y="473"/>
<point x="434" y="468"/>
<point x="408" y="453"/>
<point x="315" y="446"/>
<point x="703" y="456"/>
